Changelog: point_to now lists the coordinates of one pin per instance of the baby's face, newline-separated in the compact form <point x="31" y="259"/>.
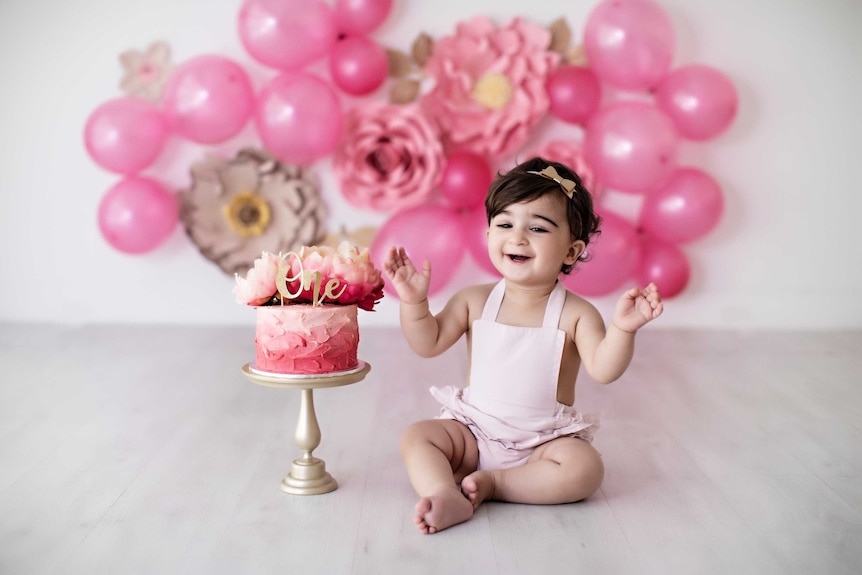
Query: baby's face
<point x="529" y="242"/>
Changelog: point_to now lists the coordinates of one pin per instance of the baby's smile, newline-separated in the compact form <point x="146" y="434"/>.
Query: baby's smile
<point x="517" y="258"/>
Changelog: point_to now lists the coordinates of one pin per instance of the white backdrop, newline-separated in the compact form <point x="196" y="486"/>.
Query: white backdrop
<point x="786" y="255"/>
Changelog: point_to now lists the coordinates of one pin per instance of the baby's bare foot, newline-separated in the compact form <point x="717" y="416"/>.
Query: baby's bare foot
<point x="443" y="510"/>
<point x="478" y="486"/>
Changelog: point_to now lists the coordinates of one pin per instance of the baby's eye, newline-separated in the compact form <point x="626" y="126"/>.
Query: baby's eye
<point x="538" y="230"/>
<point x="504" y="225"/>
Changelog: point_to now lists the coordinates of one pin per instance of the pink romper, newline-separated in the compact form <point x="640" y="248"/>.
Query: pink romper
<point x="511" y="403"/>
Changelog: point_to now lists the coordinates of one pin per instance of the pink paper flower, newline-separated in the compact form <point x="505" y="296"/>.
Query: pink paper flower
<point x="571" y="154"/>
<point x="489" y="87"/>
<point x="147" y="72"/>
<point x="258" y="286"/>
<point x="390" y="157"/>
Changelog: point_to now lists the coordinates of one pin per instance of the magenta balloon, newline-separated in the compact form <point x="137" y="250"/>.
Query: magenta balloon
<point x="137" y="214"/>
<point x="476" y="238"/>
<point x="286" y="34"/>
<point x="358" y="65"/>
<point x="687" y="208"/>
<point x="360" y="16"/>
<point x="208" y="99"/>
<point x="629" y="43"/>
<point x="433" y="233"/>
<point x="125" y="135"/>
<point x="299" y="118"/>
<point x="574" y="93"/>
<point x="465" y="180"/>
<point x="632" y="147"/>
<point x="614" y="257"/>
<point x="701" y="101"/>
<point x="665" y="265"/>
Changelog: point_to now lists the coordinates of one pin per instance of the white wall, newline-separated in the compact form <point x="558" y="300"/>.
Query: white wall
<point x="787" y="254"/>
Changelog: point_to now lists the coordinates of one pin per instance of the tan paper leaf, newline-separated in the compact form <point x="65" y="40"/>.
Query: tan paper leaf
<point x="422" y="48"/>
<point x="399" y="63"/>
<point x="577" y="56"/>
<point x="404" y="91"/>
<point x="561" y="36"/>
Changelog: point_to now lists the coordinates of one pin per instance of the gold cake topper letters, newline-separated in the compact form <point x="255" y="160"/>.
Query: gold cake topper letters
<point x="308" y="279"/>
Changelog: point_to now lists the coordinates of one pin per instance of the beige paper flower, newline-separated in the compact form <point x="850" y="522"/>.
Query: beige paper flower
<point x="236" y="209"/>
<point x="146" y="73"/>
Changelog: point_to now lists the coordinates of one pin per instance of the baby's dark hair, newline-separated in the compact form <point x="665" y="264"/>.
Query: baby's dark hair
<point x="518" y="185"/>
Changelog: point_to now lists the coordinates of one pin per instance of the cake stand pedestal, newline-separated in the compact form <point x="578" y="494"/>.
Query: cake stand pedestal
<point x="308" y="475"/>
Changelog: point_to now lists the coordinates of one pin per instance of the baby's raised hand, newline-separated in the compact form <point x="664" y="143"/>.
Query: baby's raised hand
<point x="636" y="307"/>
<point x="410" y="284"/>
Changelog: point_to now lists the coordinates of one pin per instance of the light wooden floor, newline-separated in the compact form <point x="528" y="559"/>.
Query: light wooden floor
<point x="145" y="450"/>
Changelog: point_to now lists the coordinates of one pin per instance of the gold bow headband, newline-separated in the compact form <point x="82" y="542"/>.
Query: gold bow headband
<point x="550" y="173"/>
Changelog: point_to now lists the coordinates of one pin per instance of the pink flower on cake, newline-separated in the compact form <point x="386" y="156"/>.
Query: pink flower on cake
<point x="572" y="154"/>
<point x="489" y="87"/>
<point x="314" y="275"/>
<point x="358" y="281"/>
<point x="390" y="157"/>
<point x="258" y="286"/>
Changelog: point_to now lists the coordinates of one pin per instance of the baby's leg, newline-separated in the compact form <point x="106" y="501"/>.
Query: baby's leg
<point x="438" y="453"/>
<point x="563" y="470"/>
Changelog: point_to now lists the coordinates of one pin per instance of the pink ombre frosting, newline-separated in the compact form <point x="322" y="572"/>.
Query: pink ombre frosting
<point x="305" y="339"/>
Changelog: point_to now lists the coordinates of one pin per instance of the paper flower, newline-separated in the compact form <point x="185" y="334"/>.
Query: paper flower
<point x="236" y="209"/>
<point x="489" y="87"/>
<point x="390" y="157"/>
<point x="317" y="275"/>
<point x="571" y="154"/>
<point x="146" y="72"/>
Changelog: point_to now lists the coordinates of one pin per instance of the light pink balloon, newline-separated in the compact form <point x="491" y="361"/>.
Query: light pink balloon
<point x="137" y="214"/>
<point x="632" y="146"/>
<point x="360" y="16"/>
<point x="574" y="93"/>
<point x="701" y="101"/>
<point x="125" y="135"/>
<point x="299" y="118"/>
<point x="476" y="238"/>
<point x="358" y="65"/>
<point x="208" y="99"/>
<point x="687" y="208"/>
<point x="465" y="180"/>
<point x="629" y="43"/>
<point x="614" y="258"/>
<point x="665" y="265"/>
<point x="286" y="34"/>
<point x="433" y="233"/>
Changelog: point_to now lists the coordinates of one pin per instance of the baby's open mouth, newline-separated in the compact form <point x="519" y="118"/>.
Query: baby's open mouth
<point x="517" y="258"/>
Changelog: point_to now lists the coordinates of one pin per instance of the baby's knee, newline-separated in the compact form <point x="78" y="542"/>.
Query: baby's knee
<point x="418" y="432"/>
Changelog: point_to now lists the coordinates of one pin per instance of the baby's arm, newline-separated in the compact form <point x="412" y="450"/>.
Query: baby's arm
<point x="428" y="335"/>
<point x="607" y="354"/>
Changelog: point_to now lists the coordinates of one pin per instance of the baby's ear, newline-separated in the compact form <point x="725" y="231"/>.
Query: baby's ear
<point x="575" y="251"/>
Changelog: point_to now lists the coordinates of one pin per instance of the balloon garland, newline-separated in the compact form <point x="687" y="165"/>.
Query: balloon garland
<point x="458" y="107"/>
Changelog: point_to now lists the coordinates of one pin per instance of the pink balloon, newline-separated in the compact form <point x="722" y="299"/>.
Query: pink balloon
<point x="125" y="135"/>
<point x="701" y="101"/>
<point x="360" y="16"/>
<point x="629" y="43"/>
<point x="433" y="233"/>
<point x="286" y="34"/>
<point x="358" y="65"/>
<point x="687" y="208"/>
<point x="208" y="99"/>
<point x="137" y="214"/>
<point x="614" y="257"/>
<point x="476" y="238"/>
<point x="665" y="265"/>
<point x="299" y="118"/>
<point x="632" y="146"/>
<point x="465" y="180"/>
<point x="574" y="93"/>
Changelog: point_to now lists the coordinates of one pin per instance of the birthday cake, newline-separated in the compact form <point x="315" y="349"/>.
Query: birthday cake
<point x="307" y="306"/>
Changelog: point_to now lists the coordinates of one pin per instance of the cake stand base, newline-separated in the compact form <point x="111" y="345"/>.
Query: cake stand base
<point x="308" y="477"/>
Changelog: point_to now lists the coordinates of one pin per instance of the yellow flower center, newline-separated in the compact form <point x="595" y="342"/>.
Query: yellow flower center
<point x="493" y="90"/>
<point x="247" y="214"/>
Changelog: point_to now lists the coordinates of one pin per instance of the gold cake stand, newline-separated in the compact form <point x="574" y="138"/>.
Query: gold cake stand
<point x="308" y="475"/>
